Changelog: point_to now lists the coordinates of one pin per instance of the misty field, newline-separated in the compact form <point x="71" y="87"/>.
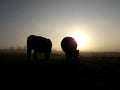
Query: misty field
<point x="90" y="61"/>
<point x="98" y="67"/>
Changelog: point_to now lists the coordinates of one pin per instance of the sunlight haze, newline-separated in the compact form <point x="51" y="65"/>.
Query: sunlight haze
<point x="99" y="20"/>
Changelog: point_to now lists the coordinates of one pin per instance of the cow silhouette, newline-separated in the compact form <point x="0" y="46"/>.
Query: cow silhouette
<point x="39" y="45"/>
<point x="69" y="46"/>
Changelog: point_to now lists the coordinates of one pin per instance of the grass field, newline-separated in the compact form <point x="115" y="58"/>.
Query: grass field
<point x="103" y="69"/>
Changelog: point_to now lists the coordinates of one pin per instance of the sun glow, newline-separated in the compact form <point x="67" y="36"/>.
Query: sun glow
<point x="81" y="39"/>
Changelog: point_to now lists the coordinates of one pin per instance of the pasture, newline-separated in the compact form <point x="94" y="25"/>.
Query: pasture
<point x="100" y="68"/>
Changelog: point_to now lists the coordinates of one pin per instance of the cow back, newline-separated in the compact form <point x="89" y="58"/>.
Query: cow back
<point x="68" y="44"/>
<point x="38" y="43"/>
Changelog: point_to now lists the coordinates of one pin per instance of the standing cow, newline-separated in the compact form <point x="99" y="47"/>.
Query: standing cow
<point x="69" y="46"/>
<point x="39" y="45"/>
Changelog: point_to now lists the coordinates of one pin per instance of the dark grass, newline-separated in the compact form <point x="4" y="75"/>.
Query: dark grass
<point x="93" y="69"/>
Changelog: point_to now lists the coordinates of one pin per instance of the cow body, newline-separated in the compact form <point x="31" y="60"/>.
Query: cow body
<point x="39" y="45"/>
<point x="69" y="46"/>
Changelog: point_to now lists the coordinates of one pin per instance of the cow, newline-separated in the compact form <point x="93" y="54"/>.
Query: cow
<point x="69" y="46"/>
<point x="38" y="44"/>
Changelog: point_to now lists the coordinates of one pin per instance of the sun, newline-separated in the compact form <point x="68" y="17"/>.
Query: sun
<point x="81" y="39"/>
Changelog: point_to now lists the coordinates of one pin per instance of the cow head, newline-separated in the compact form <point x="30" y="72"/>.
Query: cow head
<point x="76" y="53"/>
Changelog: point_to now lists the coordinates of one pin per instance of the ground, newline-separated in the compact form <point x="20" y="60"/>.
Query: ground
<point x="92" y="68"/>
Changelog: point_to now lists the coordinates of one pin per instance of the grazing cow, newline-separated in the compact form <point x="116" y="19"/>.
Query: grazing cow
<point x="69" y="46"/>
<point x="39" y="45"/>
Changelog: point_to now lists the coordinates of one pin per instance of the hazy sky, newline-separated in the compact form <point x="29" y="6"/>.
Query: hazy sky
<point x="55" y="19"/>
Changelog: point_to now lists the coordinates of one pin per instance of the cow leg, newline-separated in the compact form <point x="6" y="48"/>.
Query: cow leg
<point x="28" y="54"/>
<point x="35" y="56"/>
<point x="67" y="56"/>
<point x="70" y="57"/>
<point x="47" y="56"/>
